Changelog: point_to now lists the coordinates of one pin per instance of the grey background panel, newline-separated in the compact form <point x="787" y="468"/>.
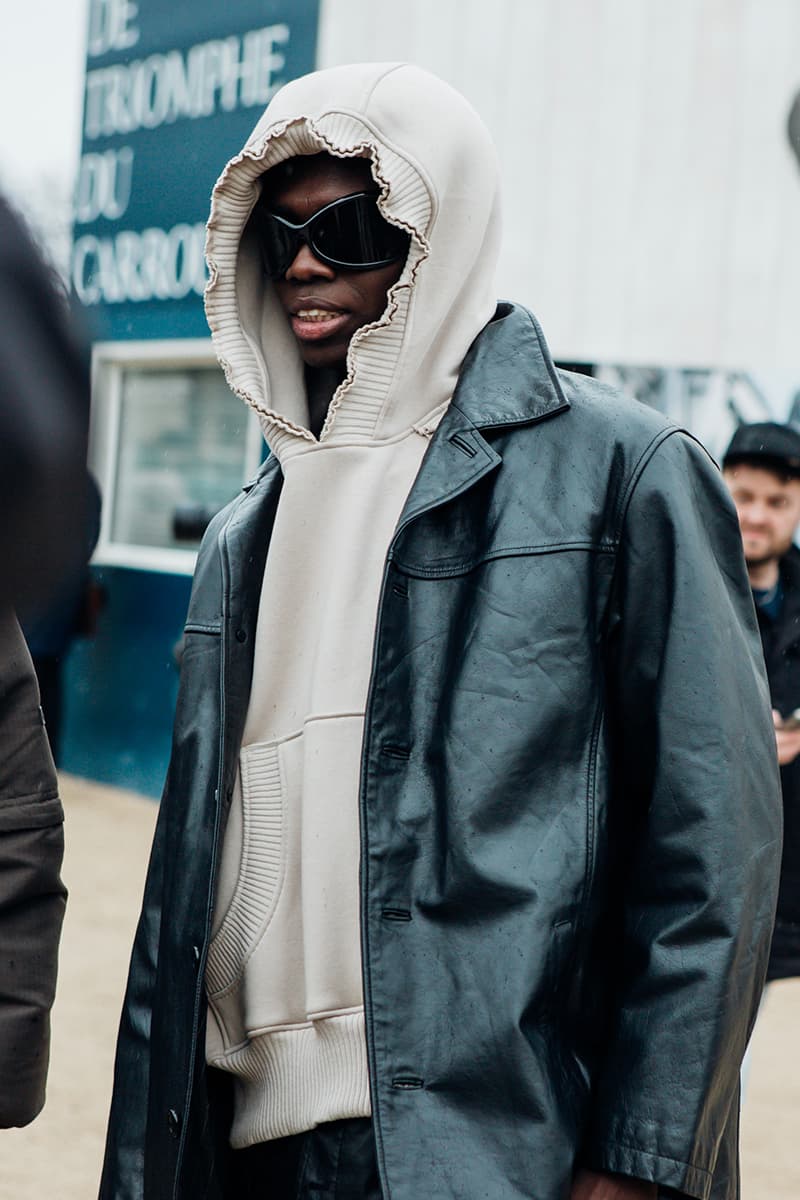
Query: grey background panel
<point x="652" y="200"/>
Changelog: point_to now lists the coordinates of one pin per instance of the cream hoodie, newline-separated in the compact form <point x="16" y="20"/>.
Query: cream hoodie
<point x="284" y="969"/>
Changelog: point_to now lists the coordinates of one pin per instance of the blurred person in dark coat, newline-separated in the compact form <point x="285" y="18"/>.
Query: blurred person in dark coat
<point x="44" y="417"/>
<point x="762" y="469"/>
<point x="44" y="394"/>
<point x="72" y="613"/>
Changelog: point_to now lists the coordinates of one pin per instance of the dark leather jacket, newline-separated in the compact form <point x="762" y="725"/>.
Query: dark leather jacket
<point x="570" y="812"/>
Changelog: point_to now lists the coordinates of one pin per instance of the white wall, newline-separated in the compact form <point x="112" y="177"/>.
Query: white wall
<point x="652" y="200"/>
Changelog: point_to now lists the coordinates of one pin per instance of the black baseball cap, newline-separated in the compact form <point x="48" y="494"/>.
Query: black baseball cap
<point x="767" y="444"/>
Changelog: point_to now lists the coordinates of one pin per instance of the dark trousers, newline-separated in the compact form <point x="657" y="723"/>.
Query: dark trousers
<point x="332" y="1162"/>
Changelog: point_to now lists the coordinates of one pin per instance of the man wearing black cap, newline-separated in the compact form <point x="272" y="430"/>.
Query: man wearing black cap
<point x="762" y="469"/>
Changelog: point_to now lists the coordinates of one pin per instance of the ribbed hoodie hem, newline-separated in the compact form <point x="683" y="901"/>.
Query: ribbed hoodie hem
<point x="291" y="1080"/>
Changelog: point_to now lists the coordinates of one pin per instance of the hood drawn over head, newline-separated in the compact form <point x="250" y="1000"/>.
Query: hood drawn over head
<point x="436" y="172"/>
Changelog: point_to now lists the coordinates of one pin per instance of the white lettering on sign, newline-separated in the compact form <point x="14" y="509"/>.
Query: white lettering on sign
<point x="111" y="26"/>
<point x="104" y="185"/>
<point x="156" y="264"/>
<point x="212" y="76"/>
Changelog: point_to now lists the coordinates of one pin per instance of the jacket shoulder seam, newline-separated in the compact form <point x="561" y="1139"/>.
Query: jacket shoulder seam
<point x="636" y="474"/>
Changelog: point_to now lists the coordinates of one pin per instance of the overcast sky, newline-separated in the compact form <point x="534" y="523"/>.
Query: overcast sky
<point x="41" y="73"/>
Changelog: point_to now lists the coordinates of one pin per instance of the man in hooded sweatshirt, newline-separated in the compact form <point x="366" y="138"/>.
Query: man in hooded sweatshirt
<point x="466" y="865"/>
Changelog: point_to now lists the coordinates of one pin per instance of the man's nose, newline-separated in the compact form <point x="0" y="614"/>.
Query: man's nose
<point x="754" y="514"/>
<point x="306" y="265"/>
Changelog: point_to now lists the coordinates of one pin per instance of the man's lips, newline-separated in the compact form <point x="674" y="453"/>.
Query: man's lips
<point x="313" y="320"/>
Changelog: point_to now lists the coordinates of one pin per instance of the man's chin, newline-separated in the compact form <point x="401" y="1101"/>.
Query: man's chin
<point x="755" y="559"/>
<point x="322" y="354"/>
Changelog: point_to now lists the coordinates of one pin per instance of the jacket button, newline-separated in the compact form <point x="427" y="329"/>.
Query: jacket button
<point x="241" y="635"/>
<point x="173" y="1123"/>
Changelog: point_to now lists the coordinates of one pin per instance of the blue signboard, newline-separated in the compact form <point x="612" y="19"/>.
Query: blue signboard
<point x="172" y="91"/>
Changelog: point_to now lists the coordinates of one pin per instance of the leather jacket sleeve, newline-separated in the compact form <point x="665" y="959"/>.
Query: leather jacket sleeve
<point x="32" y="896"/>
<point x="130" y="1141"/>
<point x="697" y="776"/>
<point x="124" y="1155"/>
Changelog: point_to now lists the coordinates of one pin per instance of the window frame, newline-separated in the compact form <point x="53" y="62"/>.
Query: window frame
<point x="110" y="360"/>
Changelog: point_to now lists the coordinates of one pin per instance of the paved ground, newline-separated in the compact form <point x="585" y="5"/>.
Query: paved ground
<point x="108" y="837"/>
<point x="771" y="1116"/>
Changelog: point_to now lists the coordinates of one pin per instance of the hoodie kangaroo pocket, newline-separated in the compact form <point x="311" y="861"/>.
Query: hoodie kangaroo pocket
<point x="266" y="777"/>
<point x="286" y="950"/>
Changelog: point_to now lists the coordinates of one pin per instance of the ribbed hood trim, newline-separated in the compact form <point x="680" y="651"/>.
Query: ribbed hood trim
<point x="385" y="391"/>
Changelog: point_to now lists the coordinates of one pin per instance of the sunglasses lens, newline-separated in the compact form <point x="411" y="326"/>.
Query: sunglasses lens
<point x="353" y="233"/>
<point x="278" y="245"/>
<point x="349" y="233"/>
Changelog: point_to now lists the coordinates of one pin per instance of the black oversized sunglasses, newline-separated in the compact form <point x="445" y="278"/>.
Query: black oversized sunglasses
<point x="349" y="234"/>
